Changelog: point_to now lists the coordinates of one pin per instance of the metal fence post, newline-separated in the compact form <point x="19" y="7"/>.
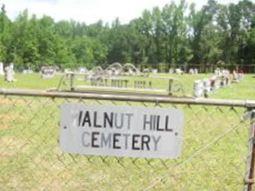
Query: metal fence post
<point x="72" y="81"/>
<point x="249" y="179"/>
<point x="170" y="85"/>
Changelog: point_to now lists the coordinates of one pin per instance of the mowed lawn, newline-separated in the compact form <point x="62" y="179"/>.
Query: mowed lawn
<point x="213" y="153"/>
<point x="243" y="90"/>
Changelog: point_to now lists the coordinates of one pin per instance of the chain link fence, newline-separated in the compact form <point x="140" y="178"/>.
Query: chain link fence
<point x="216" y="152"/>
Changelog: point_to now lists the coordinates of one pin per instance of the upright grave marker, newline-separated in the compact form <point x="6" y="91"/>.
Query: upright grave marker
<point x="9" y="73"/>
<point x="121" y="131"/>
<point x="198" y="88"/>
<point x="1" y="68"/>
<point x="48" y="72"/>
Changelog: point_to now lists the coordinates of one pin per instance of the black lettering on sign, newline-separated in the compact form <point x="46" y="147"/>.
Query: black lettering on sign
<point x="135" y="141"/>
<point x="108" y="119"/>
<point x="126" y="140"/>
<point x="158" y="126"/>
<point x="154" y="122"/>
<point x="147" y="122"/>
<point x="94" y="138"/>
<point x="145" y="142"/>
<point x="116" y="140"/>
<point x="96" y="125"/>
<point x="129" y="115"/>
<point x="119" y="125"/>
<point x="156" y="141"/>
<point x="80" y="117"/>
<point x="86" y="119"/>
<point x="106" y="140"/>
<point x="167" y="124"/>
<point x="83" y="139"/>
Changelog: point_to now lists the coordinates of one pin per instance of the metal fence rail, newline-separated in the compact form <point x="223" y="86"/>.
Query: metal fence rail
<point x="217" y="153"/>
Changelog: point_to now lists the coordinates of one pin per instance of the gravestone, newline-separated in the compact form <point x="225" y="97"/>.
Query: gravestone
<point x="82" y="70"/>
<point x="154" y="71"/>
<point x="27" y="71"/>
<point x="178" y="71"/>
<point x="171" y="71"/>
<point x="240" y="75"/>
<point x="217" y="72"/>
<point x="198" y="88"/>
<point x="1" y="68"/>
<point x="9" y="73"/>
<point x="222" y="81"/>
<point x="12" y="66"/>
<point x="207" y="87"/>
<point x="191" y="71"/>
<point x="48" y="72"/>
<point x="213" y="82"/>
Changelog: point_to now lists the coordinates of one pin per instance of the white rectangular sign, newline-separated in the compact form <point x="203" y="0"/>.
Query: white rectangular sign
<point x="121" y="131"/>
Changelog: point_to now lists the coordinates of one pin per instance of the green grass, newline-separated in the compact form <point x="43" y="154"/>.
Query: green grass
<point x="30" y="157"/>
<point x="243" y="90"/>
<point x="30" y="81"/>
<point x="213" y="153"/>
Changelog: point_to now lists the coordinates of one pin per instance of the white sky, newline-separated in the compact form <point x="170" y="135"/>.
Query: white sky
<point x="90" y="11"/>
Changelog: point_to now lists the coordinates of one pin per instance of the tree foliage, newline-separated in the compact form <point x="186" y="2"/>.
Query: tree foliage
<point x="178" y="35"/>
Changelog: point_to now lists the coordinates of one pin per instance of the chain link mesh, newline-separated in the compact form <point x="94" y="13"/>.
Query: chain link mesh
<point x="214" y="151"/>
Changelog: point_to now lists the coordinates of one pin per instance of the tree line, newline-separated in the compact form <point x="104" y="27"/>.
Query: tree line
<point x="177" y="35"/>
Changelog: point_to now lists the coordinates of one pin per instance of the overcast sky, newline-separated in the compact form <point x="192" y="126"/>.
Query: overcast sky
<point x="90" y="11"/>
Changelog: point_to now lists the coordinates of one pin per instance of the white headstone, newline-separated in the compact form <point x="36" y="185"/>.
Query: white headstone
<point x="178" y="71"/>
<point x="9" y="73"/>
<point x="217" y="72"/>
<point x="154" y="71"/>
<point x="12" y="66"/>
<point x="240" y="76"/>
<point x="82" y="70"/>
<point x="207" y="85"/>
<point x="1" y="68"/>
<point x="48" y="72"/>
<point x="27" y="71"/>
<point x="191" y="71"/>
<point x="198" y="88"/>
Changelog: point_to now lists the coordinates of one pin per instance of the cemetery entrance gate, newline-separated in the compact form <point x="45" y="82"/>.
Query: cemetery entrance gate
<point x="217" y="151"/>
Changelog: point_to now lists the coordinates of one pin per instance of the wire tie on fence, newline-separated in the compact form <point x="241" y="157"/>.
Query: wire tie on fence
<point x="249" y="181"/>
<point x="249" y="115"/>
